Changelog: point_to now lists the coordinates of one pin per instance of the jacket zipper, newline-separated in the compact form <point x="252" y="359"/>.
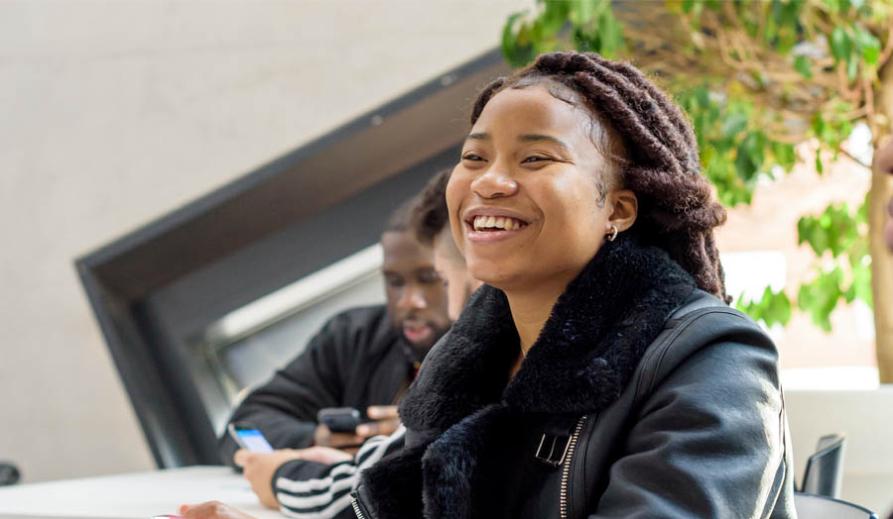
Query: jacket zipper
<point x="357" y="508"/>
<point x="566" y="469"/>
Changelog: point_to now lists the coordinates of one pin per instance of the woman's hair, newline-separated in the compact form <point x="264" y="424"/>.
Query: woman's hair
<point x="656" y="158"/>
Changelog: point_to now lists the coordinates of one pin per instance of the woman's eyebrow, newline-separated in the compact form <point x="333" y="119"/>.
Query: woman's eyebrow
<point x="536" y="137"/>
<point x="528" y="137"/>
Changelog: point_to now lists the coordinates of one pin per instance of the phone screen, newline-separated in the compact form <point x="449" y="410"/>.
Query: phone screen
<point x="253" y="440"/>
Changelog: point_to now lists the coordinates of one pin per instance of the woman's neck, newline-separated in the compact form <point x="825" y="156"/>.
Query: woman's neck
<point x="532" y="308"/>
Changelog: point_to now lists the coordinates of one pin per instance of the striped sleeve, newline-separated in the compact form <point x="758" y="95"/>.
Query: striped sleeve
<point x="327" y="494"/>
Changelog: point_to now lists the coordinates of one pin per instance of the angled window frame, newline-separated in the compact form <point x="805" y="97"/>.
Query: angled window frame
<point x="157" y="290"/>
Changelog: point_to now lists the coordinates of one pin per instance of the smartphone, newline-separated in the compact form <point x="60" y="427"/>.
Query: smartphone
<point x="248" y="437"/>
<point x="339" y="419"/>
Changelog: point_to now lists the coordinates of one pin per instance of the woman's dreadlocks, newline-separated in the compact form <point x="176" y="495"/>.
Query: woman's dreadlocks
<point x="677" y="211"/>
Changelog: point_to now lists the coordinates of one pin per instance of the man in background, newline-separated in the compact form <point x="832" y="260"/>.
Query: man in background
<point x="316" y="482"/>
<point x="362" y="357"/>
<point x="431" y="222"/>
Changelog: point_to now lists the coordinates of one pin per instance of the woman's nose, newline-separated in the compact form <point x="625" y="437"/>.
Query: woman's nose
<point x="495" y="183"/>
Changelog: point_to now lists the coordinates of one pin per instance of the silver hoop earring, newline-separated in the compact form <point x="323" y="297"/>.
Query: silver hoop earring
<point x="613" y="235"/>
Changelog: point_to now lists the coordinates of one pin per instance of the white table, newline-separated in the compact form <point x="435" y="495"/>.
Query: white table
<point x="139" y="495"/>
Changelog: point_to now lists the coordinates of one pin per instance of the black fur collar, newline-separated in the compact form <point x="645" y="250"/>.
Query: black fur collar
<point x="597" y="333"/>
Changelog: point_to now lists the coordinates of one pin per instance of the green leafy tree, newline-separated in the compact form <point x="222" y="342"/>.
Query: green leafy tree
<point x="757" y="78"/>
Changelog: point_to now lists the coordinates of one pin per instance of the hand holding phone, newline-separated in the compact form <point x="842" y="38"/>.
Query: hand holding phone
<point x="383" y="420"/>
<point x="337" y="428"/>
<point x="339" y="419"/>
<point x="342" y="428"/>
<point x="249" y="437"/>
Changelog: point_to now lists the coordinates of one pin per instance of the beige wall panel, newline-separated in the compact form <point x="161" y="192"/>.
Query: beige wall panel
<point x="113" y="113"/>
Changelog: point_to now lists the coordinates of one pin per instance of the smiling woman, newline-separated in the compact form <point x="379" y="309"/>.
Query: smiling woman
<point x="530" y="159"/>
<point x="599" y="372"/>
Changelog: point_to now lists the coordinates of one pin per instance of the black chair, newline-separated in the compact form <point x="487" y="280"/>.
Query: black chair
<point x="9" y="474"/>
<point x="824" y="468"/>
<point x="810" y="506"/>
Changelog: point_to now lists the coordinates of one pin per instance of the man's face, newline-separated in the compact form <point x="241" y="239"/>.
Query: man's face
<point x="416" y="297"/>
<point x="451" y="266"/>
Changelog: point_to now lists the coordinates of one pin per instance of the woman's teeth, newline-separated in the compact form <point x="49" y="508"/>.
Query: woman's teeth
<point x="502" y="223"/>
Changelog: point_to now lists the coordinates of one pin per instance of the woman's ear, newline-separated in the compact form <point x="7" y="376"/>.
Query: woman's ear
<point x="625" y="209"/>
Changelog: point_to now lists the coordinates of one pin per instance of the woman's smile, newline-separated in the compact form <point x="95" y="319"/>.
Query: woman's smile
<point x="492" y="224"/>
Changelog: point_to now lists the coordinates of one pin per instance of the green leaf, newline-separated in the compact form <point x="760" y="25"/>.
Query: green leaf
<point x="785" y="155"/>
<point x="734" y="125"/>
<point x="819" y="165"/>
<point x="839" y="6"/>
<point x="802" y="65"/>
<point x="610" y="34"/>
<point x="868" y="44"/>
<point x="803" y="230"/>
<point x="516" y="53"/>
<point x="782" y="25"/>
<point x="772" y="308"/>
<point x="862" y="281"/>
<point x="554" y="16"/>
<point x="750" y="155"/>
<point x="819" y="298"/>
<point x="809" y="230"/>
<point x="582" y="12"/>
<point x="835" y="230"/>
<point x="818" y="125"/>
<point x="840" y="44"/>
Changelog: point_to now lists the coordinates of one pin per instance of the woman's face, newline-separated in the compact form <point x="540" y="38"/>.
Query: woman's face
<point x="529" y="201"/>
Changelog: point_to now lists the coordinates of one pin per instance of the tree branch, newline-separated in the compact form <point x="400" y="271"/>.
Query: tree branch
<point x="853" y="158"/>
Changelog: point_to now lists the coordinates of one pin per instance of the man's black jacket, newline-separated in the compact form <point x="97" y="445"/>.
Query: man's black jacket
<point x="358" y="359"/>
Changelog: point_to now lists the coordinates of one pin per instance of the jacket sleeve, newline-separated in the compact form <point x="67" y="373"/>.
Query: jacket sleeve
<point x="284" y="409"/>
<point x="308" y="490"/>
<point x="709" y="441"/>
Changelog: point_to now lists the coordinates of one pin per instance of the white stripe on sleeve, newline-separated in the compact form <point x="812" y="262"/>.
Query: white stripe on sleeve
<point x="318" y="492"/>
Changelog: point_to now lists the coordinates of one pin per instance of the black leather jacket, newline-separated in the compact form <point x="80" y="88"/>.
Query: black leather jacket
<point x="642" y="398"/>
<point x="731" y="459"/>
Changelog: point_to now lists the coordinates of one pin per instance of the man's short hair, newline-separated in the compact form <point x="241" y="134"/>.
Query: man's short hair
<point x="401" y="219"/>
<point x="428" y="213"/>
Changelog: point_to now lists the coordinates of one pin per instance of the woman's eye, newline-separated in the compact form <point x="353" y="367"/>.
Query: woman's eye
<point x="535" y="158"/>
<point x="472" y="156"/>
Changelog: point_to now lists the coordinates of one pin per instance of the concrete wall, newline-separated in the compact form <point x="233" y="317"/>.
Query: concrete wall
<point x="112" y="113"/>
